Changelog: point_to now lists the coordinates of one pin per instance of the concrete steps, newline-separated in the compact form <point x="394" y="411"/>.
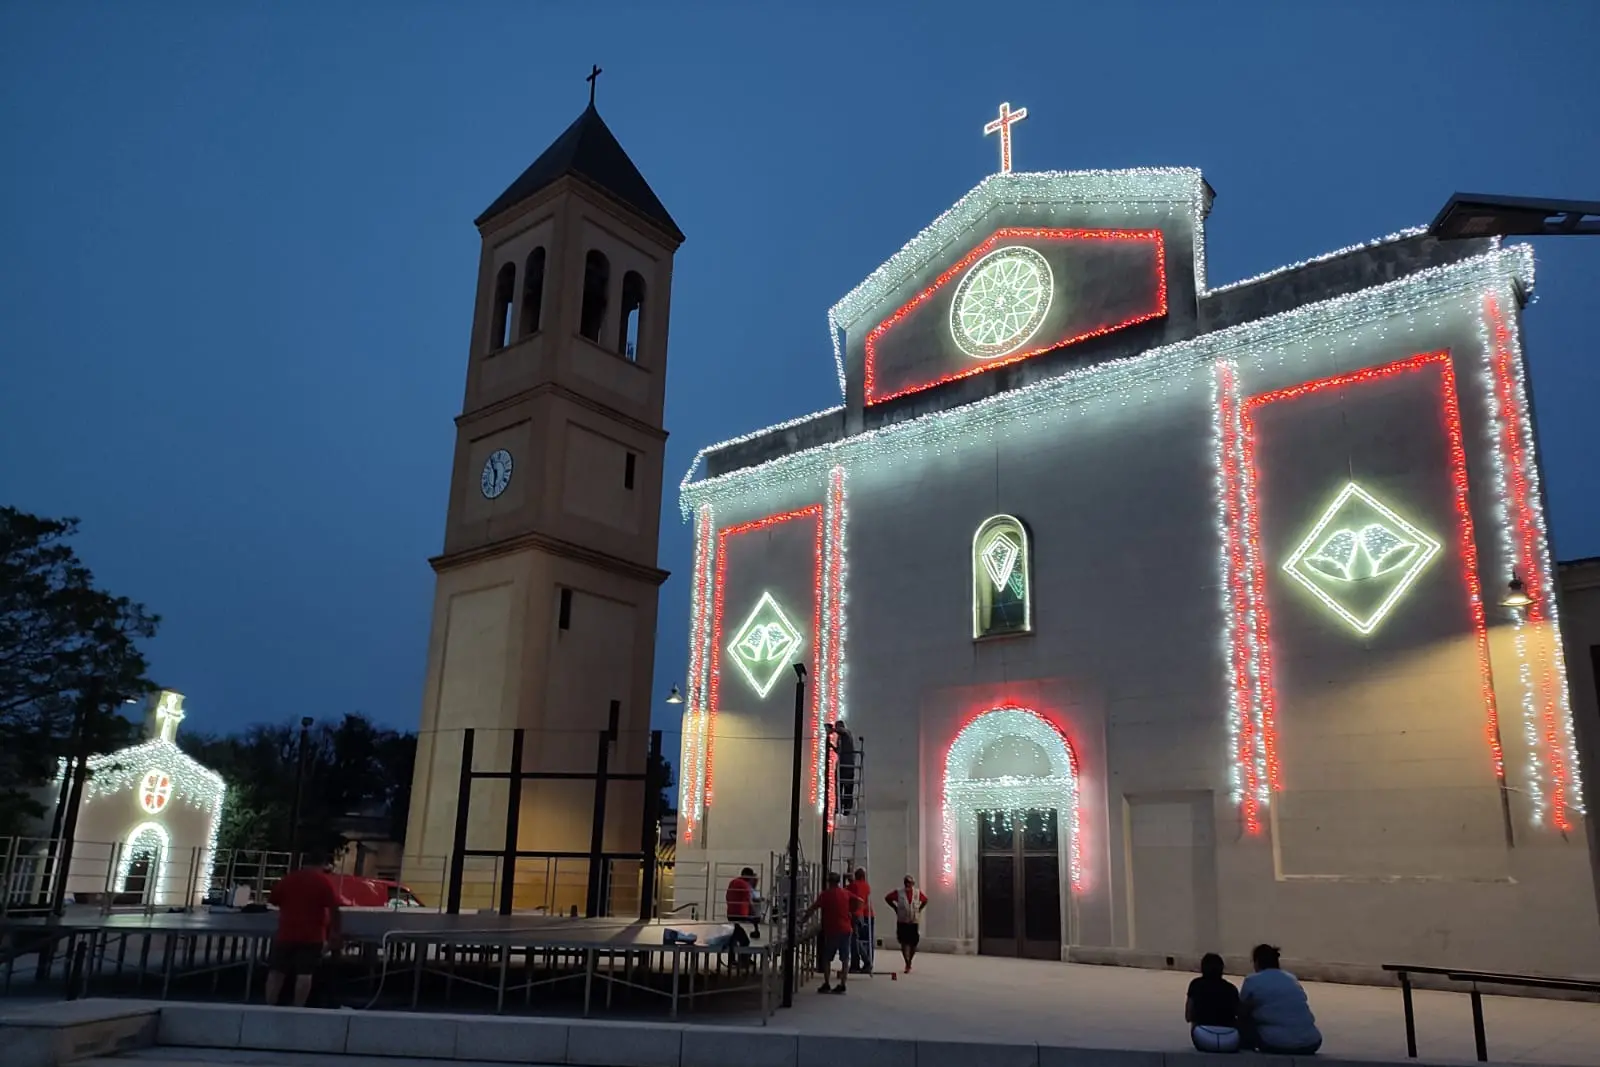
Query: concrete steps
<point x="118" y="1033"/>
<point x="46" y="1035"/>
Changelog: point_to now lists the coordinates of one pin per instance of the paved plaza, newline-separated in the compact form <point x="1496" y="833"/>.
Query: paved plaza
<point x="978" y="998"/>
<point x="953" y="1012"/>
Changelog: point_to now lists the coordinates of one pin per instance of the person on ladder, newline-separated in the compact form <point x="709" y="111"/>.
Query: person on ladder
<point x="844" y="743"/>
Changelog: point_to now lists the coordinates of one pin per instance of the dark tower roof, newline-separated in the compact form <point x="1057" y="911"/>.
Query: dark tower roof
<point x="588" y="150"/>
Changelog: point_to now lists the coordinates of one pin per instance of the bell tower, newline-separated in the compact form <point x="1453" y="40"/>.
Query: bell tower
<point x="544" y="613"/>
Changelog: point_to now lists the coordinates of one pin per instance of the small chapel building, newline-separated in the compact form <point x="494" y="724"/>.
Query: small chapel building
<point x="147" y="829"/>
<point x="1168" y="614"/>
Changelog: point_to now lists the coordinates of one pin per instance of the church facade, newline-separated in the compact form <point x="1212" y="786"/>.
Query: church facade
<point x="147" y="827"/>
<point x="1168" y="615"/>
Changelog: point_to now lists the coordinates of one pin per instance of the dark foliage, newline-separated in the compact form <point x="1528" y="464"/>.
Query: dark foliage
<point x="64" y="645"/>
<point x="353" y="768"/>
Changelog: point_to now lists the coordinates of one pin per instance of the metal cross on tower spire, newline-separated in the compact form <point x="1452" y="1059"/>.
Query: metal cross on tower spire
<point x="594" y="76"/>
<point x="1002" y="126"/>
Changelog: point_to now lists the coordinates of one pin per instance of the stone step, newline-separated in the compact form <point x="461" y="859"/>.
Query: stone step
<point x="64" y="1032"/>
<point x="211" y="1057"/>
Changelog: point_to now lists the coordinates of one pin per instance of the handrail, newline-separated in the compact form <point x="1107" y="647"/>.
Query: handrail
<point x="1404" y="971"/>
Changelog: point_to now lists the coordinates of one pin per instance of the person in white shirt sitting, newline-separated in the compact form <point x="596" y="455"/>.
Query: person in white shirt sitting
<point x="1274" y="1014"/>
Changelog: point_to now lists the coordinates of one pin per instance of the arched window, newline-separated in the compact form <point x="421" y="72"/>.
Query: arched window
<point x="532" y="291"/>
<point x="596" y="281"/>
<point x="632" y="312"/>
<point x="505" y="290"/>
<point x="1002" y="579"/>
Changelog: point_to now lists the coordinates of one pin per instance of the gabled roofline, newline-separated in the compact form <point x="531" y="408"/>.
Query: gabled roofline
<point x="1514" y="264"/>
<point x="1135" y="185"/>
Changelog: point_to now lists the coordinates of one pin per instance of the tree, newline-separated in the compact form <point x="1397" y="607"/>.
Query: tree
<point x="62" y="642"/>
<point x="353" y="768"/>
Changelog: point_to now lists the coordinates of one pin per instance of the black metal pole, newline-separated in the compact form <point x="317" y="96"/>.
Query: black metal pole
<point x="88" y="704"/>
<point x="649" y="836"/>
<point x="827" y="802"/>
<point x="792" y="918"/>
<point x="508" y="859"/>
<point x="597" y="830"/>
<point x="299" y="784"/>
<point x="1477" y="1025"/>
<point x="458" y="850"/>
<point x="1411" y="1018"/>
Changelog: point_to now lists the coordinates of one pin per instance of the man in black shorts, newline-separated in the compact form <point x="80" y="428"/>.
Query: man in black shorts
<point x="907" y="902"/>
<point x="308" y="921"/>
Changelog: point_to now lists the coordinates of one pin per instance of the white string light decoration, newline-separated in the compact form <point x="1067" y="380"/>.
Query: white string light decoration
<point x="190" y="784"/>
<point x="1554" y="782"/>
<point x="965" y="797"/>
<point x="160" y="848"/>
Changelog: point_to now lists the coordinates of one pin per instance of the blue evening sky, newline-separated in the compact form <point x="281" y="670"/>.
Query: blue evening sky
<point x="237" y="252"/>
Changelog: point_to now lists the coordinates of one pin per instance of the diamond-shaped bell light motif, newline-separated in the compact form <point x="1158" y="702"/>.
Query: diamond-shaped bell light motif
<point x="1360" y="558"/>
<point x="765" y="645"/>
<point x="1000" y="558"/>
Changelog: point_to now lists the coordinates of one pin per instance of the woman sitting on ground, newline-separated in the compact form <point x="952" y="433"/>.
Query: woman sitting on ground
<point x="1274" y="1015"/>
<point x="1212" y="1008"/>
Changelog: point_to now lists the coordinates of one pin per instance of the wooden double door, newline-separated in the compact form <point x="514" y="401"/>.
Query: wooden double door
<point x="1019" y="884"/>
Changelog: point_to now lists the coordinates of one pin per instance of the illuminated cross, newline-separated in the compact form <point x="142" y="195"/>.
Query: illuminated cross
<point x="1002" y="126"/>
<point x="169" y="713"/>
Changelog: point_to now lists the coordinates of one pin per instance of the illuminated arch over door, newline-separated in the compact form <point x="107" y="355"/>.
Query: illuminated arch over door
<point x="147" y="839"/>
<point x="966" y="792"/>
<point x="1002" y="578"/>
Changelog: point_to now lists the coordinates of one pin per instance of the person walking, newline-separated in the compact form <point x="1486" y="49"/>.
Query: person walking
<point x="1274" y="1014"/>
<point x="907" y="902"/>
<point x="862" y="951"/>
<point x="837" y="930"/>
<point x="308" y="923"/>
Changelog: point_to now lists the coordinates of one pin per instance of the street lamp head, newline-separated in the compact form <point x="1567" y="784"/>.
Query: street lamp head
<point x="800" y="672"/>
<point x="1516" y="594"/>
<point x="674" y="697"/>
<point x="306" y="721"/>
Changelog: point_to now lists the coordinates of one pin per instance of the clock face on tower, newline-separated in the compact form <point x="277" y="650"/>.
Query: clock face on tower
<point x="1001" y="302"/>
<point x="496" y="473"/>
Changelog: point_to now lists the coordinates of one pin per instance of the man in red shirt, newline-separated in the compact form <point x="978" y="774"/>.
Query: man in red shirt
<point x="838" y="930"/>
<point x="742" y="897"/>
<point x="907" y="902"/>
<point x="861" y="952"/>
<point x="308" y="920"/>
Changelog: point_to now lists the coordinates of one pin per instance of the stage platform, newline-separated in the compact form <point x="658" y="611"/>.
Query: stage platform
<point x="396" y="958"/>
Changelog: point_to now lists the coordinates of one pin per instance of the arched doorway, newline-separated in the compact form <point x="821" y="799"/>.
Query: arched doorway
<point x="1011" y="833"/>
<point x="142" y="868"/>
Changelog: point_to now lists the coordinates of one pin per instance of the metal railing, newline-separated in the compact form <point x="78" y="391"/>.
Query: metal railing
<point x="1403" y="973"/>
<point x="111" y="877"/>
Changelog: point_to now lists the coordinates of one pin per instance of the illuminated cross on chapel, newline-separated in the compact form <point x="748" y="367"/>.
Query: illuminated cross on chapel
<point x="169" y="713"/>
<point x="1002" y="126"/>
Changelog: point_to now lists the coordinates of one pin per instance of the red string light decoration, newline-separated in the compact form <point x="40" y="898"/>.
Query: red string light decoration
<point x="813" y="512"/>
<point x="1156" y="311"/>
<point x="1248" y="598"/>
<point x="1530" y="561"/>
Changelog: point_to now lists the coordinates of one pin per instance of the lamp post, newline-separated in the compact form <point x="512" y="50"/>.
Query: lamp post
<point x="299" y="784"/>
<point x="89" y="703"/>
<point x="791" y="918"/>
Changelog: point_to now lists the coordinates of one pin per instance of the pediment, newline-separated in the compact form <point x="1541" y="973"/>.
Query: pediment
<point x="1022" y="265"/>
